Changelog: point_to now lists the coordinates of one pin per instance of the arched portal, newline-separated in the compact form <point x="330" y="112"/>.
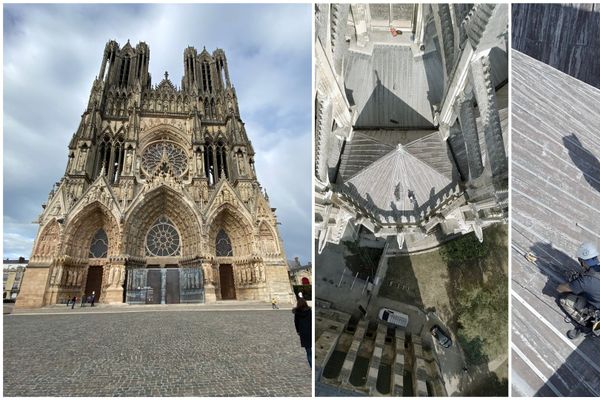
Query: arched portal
<point x="92" y="235"/>
<point x="231" y="240"/>
<point x="163" y="236"/>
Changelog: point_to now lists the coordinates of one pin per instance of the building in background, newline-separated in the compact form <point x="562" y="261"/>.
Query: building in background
<point x="300" y="274"/>
<point x="13" y="276"/>
<point x="159" y="202"/>
<point x="301" y="278"/>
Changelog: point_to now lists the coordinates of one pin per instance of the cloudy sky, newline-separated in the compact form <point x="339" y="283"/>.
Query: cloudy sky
<point x="52" y="54"/>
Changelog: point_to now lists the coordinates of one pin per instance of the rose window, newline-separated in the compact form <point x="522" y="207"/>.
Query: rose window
<point x="162" y="239"/>
<point x="164" y="156"/>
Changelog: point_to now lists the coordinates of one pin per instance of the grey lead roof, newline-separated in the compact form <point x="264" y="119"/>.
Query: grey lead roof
<point x="555" y="205"/>
<point x="393" y="89"/>
<point x="421" y="170"/>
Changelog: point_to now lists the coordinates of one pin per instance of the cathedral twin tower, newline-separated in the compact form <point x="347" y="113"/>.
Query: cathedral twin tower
<point x="159" y="202"/>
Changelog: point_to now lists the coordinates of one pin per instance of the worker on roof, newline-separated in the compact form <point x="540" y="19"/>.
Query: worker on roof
<point x="582" y="293"/>
<point x="586" y="284"/>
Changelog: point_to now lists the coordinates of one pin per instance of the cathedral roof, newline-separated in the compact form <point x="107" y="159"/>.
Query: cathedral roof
<point x="395" y="94"/>
<point x="405" y="182"/>
<point x="369" y="146"/>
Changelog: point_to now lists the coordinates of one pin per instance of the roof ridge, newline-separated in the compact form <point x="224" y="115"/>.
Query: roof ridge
<point x="367" y="136"/>
<point x="421" y="139"/>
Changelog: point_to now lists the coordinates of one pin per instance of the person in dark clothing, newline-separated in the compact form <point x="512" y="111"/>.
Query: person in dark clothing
<point x="303" y="323"/>
<point x="580" y="296"/>
<point x="586" y="285"/>
<point x="74" y="300"/>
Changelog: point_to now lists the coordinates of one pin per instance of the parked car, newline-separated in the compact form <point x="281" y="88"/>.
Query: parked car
<point x="441" y="336"/>
<point x="393" y="317"/>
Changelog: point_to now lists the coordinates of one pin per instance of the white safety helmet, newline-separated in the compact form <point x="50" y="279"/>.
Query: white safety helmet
<point x="588" y="251"/>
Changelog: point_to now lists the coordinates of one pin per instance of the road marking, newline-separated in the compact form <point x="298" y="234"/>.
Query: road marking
<point x="535" y="370"/>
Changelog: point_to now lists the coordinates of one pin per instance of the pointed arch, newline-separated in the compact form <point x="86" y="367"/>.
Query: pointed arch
<point x="221" y="158"/>
<point x="82" y="227"/>
<point x="48" y="240"/>
<point x="206" y="108"/>
<point x="268" y="244"/>
<point x="238" y="228"/>
<point x="146" y="210"/>
<point x="164" y="132"/>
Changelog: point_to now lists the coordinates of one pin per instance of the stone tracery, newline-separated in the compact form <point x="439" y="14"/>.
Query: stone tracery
<point x="163" y="239"/>
<point x="162" y="156"/>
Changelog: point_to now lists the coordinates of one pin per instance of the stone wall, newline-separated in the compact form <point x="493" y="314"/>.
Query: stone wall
<point x="33" y="287"/>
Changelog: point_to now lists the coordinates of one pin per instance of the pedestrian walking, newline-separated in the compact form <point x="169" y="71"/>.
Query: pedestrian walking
<point x="303" y="323"/>
<point x="74" y="300"/>
<point x="93" y="297"/>
<point x="274" y="305"/>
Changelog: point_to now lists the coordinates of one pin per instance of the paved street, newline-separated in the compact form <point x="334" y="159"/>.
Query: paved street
<point x="173" y="353"/>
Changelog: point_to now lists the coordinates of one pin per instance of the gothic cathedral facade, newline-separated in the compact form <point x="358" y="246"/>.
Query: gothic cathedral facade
<point x="160" y="201"/>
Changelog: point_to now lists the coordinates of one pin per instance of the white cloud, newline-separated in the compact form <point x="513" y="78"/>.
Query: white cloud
<point x="53" y="52"/>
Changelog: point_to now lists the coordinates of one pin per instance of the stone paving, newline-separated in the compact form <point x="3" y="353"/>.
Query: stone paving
<point x="178" y="353"/>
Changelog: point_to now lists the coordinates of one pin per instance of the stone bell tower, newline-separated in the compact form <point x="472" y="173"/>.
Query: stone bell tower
<point x="159" y="202"/>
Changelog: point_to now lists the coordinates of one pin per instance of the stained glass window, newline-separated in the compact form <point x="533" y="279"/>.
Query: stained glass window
<point x="99" y="246"/>
<point x="163" y="239"/>
<point x="223" y="245"/>
<point x="164" y="155"/>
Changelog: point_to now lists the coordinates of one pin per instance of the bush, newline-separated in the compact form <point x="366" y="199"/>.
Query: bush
<point x="467" y="247"/>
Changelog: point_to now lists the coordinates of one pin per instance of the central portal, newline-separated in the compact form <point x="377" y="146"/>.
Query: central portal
<point x="227" y="282"/>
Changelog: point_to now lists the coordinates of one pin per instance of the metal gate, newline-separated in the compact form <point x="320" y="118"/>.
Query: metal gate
<point x="165" y="285"/>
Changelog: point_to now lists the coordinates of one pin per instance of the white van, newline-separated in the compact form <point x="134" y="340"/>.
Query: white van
<point x="393" y="317"/>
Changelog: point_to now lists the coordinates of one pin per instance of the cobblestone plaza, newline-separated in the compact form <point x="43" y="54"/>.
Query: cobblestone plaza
<point x="176" y="353"/>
